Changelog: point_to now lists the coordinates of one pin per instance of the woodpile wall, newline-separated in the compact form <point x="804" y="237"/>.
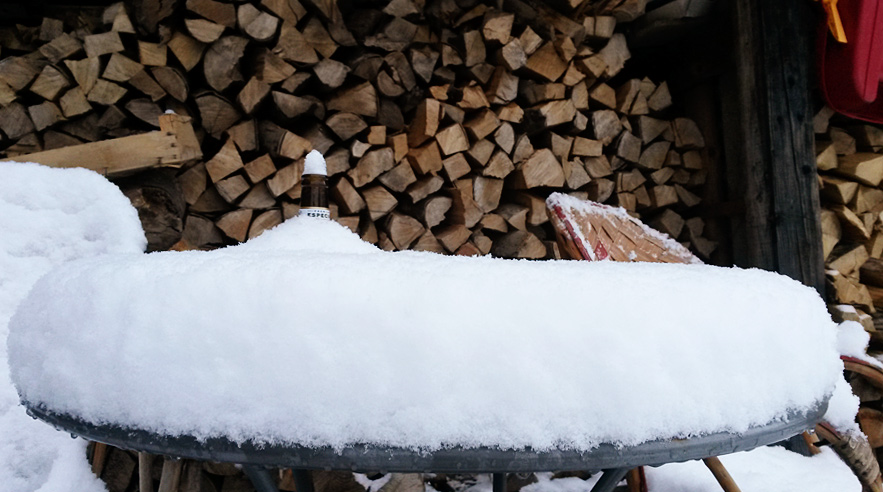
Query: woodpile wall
<point x="850" y="163"/>
<point x="444" y="124"/>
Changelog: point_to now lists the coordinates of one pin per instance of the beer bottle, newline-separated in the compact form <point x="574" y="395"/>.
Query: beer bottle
<point x="314" y="187"/>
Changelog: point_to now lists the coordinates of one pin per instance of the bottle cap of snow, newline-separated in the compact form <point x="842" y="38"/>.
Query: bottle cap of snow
<point x="315" y="164"/>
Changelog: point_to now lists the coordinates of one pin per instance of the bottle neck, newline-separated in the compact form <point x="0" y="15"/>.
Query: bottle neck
<point x="314" y="196"/>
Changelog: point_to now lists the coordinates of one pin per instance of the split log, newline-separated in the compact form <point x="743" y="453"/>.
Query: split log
<point x="186" y="49"/>
<point x="403" y="230"/>
<point x="224" y="163"/>
<point x="866" y="168"/>
<point x="347" y="197"/>
<point x="371" y="165"/>
<point x="519" y="244"/>
<point x="540" y="169"/>
<point x="49" y="83"/>
<point x="361" y="100"/>
<point x="221" y="62"/>
<point x="103" y="44"/>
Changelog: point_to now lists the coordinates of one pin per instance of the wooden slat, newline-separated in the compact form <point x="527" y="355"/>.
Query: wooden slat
<point x="174" y="145"/>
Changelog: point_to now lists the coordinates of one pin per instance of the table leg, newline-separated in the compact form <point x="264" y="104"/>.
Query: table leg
<point x="609" y="479"/>
<point x="145" y="479"/>
<point x="721" y="474"/>
<point x="303" y="480"/>
<point x="499" y="480"/>
<point x="260" y="478"/>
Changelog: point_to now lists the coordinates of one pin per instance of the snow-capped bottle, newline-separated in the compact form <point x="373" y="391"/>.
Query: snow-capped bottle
<point x="314" y="187"/>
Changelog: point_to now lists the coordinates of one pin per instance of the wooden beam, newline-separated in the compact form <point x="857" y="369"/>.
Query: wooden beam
<point x="173" y="145"/>
<point x="769" y="148"/>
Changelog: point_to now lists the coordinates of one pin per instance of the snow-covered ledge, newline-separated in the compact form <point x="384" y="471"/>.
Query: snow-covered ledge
<point x="308" y="335"/>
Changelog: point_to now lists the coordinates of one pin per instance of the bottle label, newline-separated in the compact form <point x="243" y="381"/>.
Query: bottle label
<point x="319" y="213"/>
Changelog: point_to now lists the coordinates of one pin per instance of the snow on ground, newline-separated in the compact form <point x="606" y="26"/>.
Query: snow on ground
<point x="767" y="469"/>
<point x="50" y="216"/>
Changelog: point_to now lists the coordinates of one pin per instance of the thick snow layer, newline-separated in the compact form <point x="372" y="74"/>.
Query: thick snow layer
<point x="315" y="163"/>
<point x="47" y="217"/>
<point x="302" y="343"/>
<point x="852" y="341"/>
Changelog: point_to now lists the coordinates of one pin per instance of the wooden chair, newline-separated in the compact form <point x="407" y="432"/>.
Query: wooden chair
<point x="592" y="231"/>
<point x="587" y="230"/>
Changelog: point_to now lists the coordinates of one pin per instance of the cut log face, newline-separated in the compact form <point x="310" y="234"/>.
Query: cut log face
<point x="85" y="72"/>
<point x="285" y="179"/>
<point x="258" y="25"/>
<point x="540" y="169"/>
<point x="361" y="100"/>
<point x="61" y="47"/>
<point x="221" y="62"/>
<point x="347" y="197"/>
<point x="379" y="202"/>
<point x="371" y="165"/>
<point x="103" y="44"/>
<point x="152" y="54"/>
<point x="147" y="85"/>
<point x="346" y="125"/>
<point x="403" y="230"/>
<point x="218" y="12"/>
<point x="519" y="244"/>
<point x="546" y="63"/>
<point x="217" y="113"/>
<point x="224" y="163"/>
<point x="425" y="124"/>
<point x="172" y="81"/>
<point x="44" y="115"/>
<point x="50" y="83"/>
<point x="426" y="159"/>
<point x="452" y="139"/>
<point x="73" y="103"/>
<point x="235" y="224"/>
<point x="398" y="178"/>
<point x="186" y="49"/>
<point x="203" y="30"/>
<point x="106" y="93"/>
<point x="866" y="168"/>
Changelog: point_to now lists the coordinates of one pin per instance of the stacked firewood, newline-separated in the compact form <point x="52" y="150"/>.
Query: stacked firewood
<point x="849" y="157"/>
<point x="444" y="125"/>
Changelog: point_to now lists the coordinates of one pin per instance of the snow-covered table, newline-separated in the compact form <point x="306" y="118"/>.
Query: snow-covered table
<point x="419" y="362"/>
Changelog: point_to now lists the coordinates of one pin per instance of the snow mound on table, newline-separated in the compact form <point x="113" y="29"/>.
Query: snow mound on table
<point x="317" y="235"/>
<point x="301" y="345"/>
<point x="48" y="217"/>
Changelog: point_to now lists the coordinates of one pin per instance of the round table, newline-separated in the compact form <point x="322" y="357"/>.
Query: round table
<point x="256" y="458"/>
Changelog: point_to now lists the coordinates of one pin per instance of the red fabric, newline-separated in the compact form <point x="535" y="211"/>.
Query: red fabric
<point x="851" y="73"/>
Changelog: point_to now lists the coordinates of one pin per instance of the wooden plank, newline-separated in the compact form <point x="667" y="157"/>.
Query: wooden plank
<point x="770" y="140"/>
<point x="173" y="145"/>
